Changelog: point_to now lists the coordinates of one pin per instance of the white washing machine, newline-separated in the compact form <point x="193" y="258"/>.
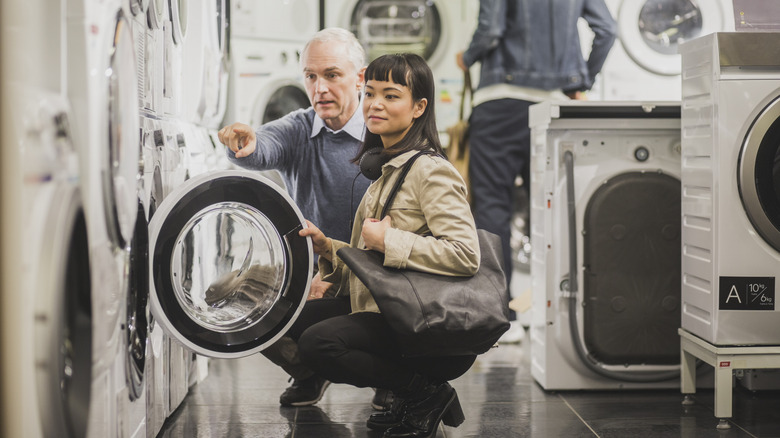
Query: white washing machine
<point x="54" y="384"/>
<point x="731" y="188"/>
<point x="203" y="61"/>
<point x="102" y="86"/>
<point x="435" y="29"/>
<point x="644" y="64"/>
<point x="266" y="39"/>
<point x="605" y="269"/>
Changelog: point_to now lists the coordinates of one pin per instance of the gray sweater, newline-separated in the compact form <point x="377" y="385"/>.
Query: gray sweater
<point x="315" y="166"/>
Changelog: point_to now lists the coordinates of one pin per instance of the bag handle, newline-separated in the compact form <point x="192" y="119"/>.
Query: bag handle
<point x="399" y="181"/>
<point x="466" y="90"/>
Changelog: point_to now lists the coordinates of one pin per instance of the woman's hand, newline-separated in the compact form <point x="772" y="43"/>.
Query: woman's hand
<point x="318" y="287"/>
<point x="374" y="233"/>
<point x="320" y="243"/>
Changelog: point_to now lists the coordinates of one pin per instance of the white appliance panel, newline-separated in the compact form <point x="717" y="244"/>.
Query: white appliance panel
<point x="620" y="153"/>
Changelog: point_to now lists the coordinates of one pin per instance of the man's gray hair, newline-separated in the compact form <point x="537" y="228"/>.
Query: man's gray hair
<point x="355" y="51"/>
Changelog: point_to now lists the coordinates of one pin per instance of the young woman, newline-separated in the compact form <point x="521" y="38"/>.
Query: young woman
<point x="429" y="227"/>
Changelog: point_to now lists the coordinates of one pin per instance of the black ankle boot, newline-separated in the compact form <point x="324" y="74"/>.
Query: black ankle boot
<point x="389" y="418"/>
<point x="425" y="409"/>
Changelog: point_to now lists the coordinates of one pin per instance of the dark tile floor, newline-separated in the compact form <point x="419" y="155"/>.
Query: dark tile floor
<point x="240" y="398"/>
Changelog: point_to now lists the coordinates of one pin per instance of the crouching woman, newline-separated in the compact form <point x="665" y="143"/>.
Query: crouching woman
<point x="429" y="228"/>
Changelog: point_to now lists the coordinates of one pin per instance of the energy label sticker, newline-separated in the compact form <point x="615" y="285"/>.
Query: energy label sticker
<point x="747" y="293"/>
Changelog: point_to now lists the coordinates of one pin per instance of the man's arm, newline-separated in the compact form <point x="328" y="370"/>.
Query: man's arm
<point x="490" y="28"/>
<point x="272" y="146"/>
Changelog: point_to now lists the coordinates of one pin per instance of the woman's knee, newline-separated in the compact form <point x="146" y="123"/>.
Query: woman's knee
<point x="319" y="342"/>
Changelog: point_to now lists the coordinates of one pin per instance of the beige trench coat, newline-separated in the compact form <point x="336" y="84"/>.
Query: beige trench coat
<point x="432" y="226"/>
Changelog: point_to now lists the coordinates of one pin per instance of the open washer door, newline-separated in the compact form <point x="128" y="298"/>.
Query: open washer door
<point x="229" y="272"/>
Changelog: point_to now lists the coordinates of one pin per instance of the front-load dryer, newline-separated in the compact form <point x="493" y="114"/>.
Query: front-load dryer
<point x="731" y="188"/>
<point x="605" y="227"/>
<point x="436" y="30"/>
<point x="228" y="271"/>
<point x="645" y="62"/>
<point x="55" y="336"/>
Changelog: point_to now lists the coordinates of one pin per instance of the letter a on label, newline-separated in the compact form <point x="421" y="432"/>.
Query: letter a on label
<point x="733" y="293"/>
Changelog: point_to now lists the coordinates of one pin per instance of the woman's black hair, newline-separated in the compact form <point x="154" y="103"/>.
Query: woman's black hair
<point x="411" y="71"/>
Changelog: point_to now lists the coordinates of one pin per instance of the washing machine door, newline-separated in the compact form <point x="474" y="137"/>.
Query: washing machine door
<point x="178" y="13"/>
<point x="759" y="174"/>
<point x="282" y="101"/>
<point x="121" y="167"/>
<point x="395" y="26"/>
<point x="652" y="30"/>
<point x="63" y="314"/>
<point x="229" y="272"/>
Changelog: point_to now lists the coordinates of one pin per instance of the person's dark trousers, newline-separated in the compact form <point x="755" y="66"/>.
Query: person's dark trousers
<point x="360" y="349"/>
<point x="284" y="352"/>
<point x="499" y="144"/>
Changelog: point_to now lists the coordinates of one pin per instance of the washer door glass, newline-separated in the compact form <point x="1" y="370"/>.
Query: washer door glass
<point x="759" y="174"/>
<point x="229" y="271"/>
<point x="652" y="30"/>
<point x="178" y="13"/>
<point x="386" y="26"/>
<point x="120" y="181"/>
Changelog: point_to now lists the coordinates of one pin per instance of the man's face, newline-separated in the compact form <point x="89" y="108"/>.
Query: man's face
<point x="332" y="83"/>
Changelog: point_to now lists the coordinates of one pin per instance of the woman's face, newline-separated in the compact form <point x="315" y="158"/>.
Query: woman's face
<point x="389" y="110"/>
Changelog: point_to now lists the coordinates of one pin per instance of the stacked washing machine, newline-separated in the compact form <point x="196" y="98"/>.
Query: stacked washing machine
<point x="266" y="80"/>
<point x="182" y="64"/>
<point x="731" y="188"/>
<point x="645" y="63"/>
<point x="48" y="363"/>
<point x="605" y="269"/>
<point x="435" y="29"/>
<point x="102" y="86"/>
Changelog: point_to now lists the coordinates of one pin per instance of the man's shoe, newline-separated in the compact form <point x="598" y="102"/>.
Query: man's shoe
<point x="383" y="399"/>
<point x="305" y="392"/>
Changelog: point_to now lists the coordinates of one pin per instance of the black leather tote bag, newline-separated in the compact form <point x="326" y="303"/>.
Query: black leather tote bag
<point x="437" y="315"/>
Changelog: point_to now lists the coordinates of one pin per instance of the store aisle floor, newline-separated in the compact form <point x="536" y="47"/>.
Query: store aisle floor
<point x="240" y="398"/>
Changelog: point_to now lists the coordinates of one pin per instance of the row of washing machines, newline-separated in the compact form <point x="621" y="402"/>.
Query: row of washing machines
<point x="114" y="106"/>
<point x="133" y="219"/>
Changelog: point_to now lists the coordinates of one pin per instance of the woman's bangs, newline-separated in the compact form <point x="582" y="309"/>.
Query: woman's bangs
<point x="388" y="68"/>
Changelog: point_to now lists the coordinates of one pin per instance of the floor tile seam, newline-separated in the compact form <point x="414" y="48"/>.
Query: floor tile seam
<point x="741" y="428"/>
<point x="578" y="415"/>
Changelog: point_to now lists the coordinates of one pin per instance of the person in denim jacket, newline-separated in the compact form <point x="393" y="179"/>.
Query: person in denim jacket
<point x="529" y="51"/>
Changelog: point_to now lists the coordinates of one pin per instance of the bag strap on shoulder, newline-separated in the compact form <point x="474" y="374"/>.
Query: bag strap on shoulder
<point x="467" y="90"/>
<point x="400" y="180"/>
